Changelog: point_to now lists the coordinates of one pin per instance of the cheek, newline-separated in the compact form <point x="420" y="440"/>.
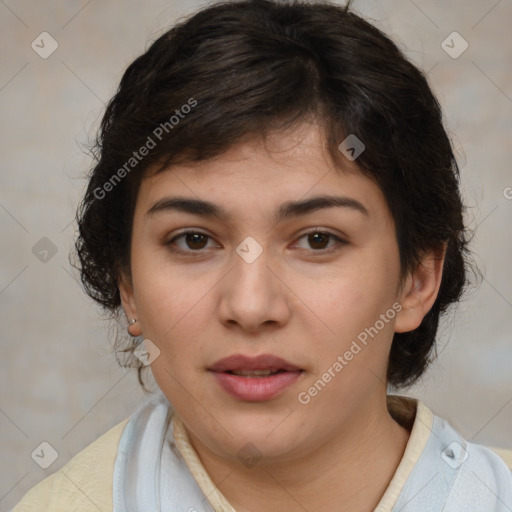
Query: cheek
<point x="165" y="295"/>
<point x="351" y="305"/>
<point x="174" y="313"/>
<point x="359" y="292"/>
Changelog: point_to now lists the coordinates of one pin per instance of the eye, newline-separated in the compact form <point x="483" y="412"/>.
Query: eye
<point x="196" y="241"/>
<point x="319" y="240"/>
<point x="191" y="241"/>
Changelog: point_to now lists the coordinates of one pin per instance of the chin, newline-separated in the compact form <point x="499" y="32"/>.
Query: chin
<point x="256" y="440"/>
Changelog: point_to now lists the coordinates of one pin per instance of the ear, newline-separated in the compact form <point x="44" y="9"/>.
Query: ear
<point x="128" y="303"/>
<point x="420" y="291"/>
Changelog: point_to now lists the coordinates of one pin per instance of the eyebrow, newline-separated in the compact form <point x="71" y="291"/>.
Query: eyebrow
<point x="286" y="210"/>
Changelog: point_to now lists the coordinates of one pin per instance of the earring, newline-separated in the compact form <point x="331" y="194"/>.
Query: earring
<point x="131" y="322"/>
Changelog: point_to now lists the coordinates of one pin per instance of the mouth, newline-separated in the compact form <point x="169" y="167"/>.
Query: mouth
<point x="254" y="379"/>
<point x="254" y="373"/>
<point x="244" y="365"/>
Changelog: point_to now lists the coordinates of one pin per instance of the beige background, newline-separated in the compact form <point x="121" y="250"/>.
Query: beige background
<point x="59" y="381"/>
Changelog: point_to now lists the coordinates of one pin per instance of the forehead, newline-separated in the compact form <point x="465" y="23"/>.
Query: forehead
<point x="284" y="166"/>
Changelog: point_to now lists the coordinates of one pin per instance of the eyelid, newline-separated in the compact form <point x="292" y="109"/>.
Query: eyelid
<point x="325" y="231"/>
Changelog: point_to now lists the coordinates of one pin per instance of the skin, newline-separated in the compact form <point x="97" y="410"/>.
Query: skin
<point x="301" y="301"/>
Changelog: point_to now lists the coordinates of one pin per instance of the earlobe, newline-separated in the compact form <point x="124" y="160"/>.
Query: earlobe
<point x="420" y="291"/>
<point x="129" y="306"/>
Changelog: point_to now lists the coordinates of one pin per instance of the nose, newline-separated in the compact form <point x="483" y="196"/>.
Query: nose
<point x="254" y="298"/>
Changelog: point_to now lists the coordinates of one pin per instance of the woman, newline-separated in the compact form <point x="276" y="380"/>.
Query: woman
<point x="275" y="209"/>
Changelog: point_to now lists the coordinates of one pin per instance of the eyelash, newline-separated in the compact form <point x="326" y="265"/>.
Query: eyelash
<point x="340" y="241"/>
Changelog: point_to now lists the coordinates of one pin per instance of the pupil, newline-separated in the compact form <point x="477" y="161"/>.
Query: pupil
<point x="316" y="238"/>
<point x="194" y="239"/>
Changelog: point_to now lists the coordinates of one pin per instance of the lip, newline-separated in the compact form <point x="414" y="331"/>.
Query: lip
<point x="254" y="389"/>
<point x="261" y="362"/>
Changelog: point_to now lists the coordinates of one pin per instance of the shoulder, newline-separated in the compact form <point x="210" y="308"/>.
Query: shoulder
<point x="505" y="455"/>
<point x="448" y="472"/>
<point x="487" y="475"/>
<point x="83" y="484"/>
<point x="480" y="478"/>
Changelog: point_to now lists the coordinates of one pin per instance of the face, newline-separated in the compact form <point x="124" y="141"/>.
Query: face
<point x="272" y="275"/>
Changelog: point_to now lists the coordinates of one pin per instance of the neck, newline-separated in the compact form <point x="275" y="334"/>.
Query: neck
<point x="348" y="472"/>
